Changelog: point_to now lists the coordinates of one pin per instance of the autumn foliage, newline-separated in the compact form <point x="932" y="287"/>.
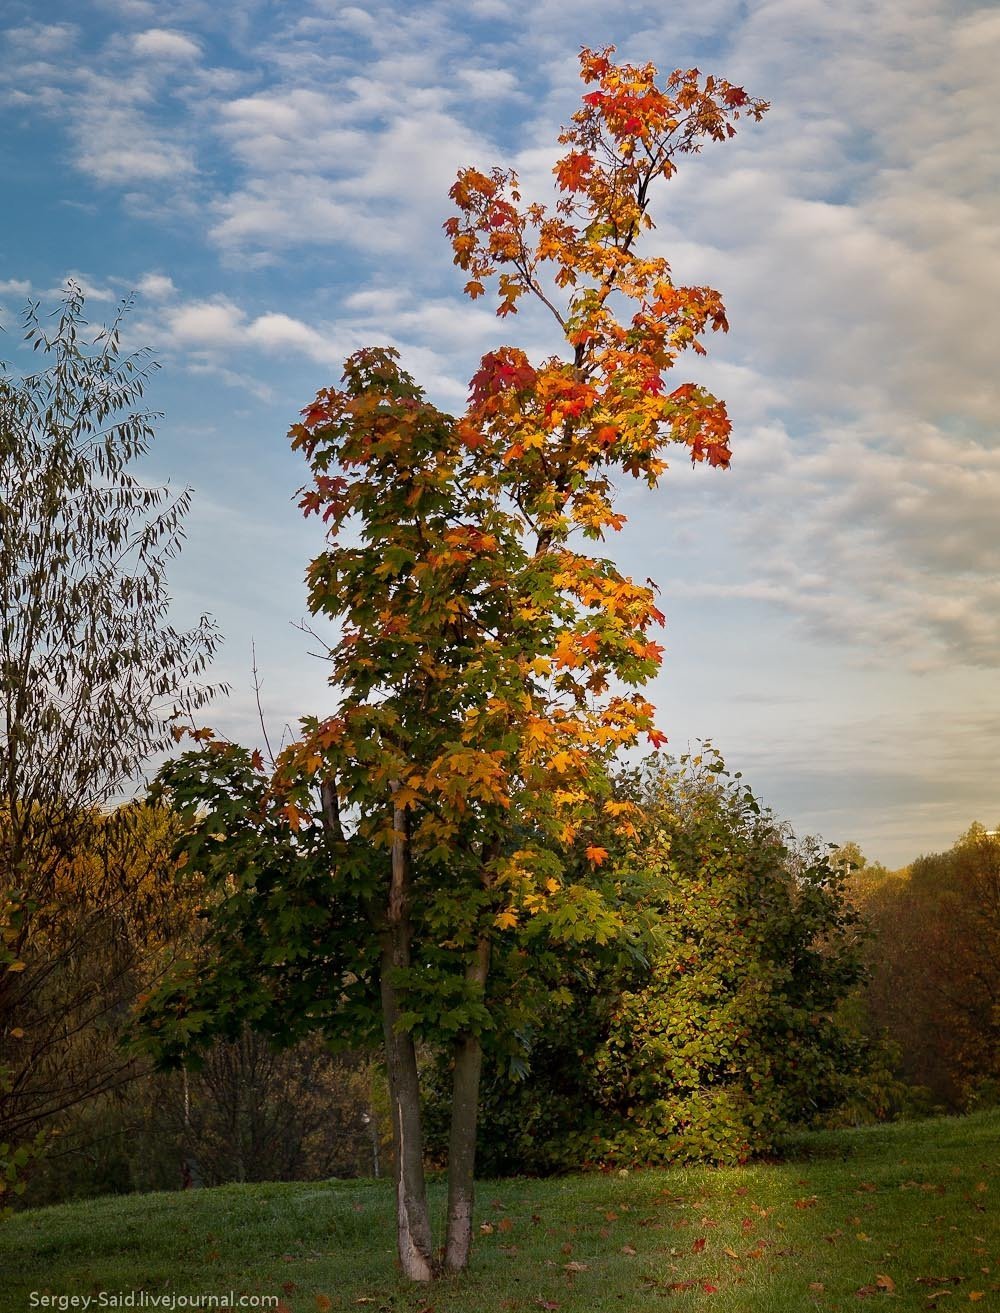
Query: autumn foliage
<point x="466" y="577"/>
<point x="487" y="668"/>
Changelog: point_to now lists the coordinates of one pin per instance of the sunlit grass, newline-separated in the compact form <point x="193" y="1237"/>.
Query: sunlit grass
<point x="907" y="1214"/>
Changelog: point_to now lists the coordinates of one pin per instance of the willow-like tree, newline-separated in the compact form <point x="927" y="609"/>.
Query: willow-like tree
<point x="91" y="670"/>
<point x="488" y="667"/>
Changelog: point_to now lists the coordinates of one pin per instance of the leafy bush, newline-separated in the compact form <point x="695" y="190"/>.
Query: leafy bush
<point x="732" y="1031"/>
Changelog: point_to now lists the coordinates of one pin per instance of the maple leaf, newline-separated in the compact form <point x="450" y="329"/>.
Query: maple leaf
<point x="595" y="855"/>
<point x="572" y="170"/>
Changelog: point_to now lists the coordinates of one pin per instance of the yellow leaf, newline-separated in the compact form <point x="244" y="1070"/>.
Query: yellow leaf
<point x="506" y="919"/>
<point x="16" y="966"/>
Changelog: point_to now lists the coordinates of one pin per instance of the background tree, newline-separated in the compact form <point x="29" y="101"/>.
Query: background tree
<point x="934" y="976"/>
<point x="727" y="1029"/>
<point x="91" y="669"/>
<point x="464" y="772"/>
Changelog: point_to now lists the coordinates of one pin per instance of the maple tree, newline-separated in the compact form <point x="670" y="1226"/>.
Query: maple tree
<point x="487" y="669"/>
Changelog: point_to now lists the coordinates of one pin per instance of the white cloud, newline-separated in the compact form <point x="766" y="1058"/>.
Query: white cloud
<point x="117" y="145"/>
<point x="490" y="83"/>
<point x="216" y="323"/>
<point x="14" y="287"/>
<point x="161" y="43"/>
<point x="282" y="332"/>
<point x="45" y="40"/>
<point x="156" y="286"/>
<point x="90" y="288"/>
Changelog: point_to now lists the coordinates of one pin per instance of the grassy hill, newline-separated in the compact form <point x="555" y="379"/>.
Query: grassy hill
<point x="908" y="1214"/>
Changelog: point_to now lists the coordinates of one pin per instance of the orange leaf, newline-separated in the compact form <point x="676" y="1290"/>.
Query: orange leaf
<point x="596" y="855"/>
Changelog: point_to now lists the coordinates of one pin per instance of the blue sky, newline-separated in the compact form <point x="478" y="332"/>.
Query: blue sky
<point x="271" y="180"/>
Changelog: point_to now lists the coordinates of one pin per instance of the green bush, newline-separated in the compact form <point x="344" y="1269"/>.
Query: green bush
<point x="732" y="1031"/>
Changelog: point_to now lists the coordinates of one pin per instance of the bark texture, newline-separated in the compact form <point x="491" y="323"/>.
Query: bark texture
<point x="462" y="1139"/>
<point x="413" y="1227"/>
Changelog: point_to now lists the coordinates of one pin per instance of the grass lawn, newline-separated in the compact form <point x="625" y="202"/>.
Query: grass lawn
<point x="908" y="1215"/>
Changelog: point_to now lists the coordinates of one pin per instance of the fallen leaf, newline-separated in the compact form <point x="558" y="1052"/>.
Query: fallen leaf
<point x="627" y="1249"/>
<point x="323" y="1304"/>
<point x="816" y="1285"/>
<point x="575" y="1267"/>
<point x="547" y="1303"/>
<point x="886" y="1283"/>
<point x="811" y="1202"/>
<point x="505" y="1224"/>
<point x="485" y="1228"/>
<point x="698" y="1245"/>
<point x="976" y="1294"/>
<point x="709" y="1288"/>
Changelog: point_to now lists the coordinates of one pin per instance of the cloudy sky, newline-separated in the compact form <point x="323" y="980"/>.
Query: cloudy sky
<point x="271" y="180"/>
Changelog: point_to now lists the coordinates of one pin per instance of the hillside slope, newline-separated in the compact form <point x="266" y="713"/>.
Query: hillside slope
<point x="909" y="1213"/>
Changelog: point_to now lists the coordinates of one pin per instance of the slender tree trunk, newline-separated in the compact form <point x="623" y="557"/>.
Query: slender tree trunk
<point x="464" y="1117"/>
<point x="413" y="1227"/>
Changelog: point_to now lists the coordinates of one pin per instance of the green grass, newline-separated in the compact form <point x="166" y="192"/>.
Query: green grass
<point x="907" y="1215"/>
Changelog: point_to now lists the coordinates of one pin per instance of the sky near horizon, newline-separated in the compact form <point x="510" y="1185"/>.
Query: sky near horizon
<point x="271" y="181"/>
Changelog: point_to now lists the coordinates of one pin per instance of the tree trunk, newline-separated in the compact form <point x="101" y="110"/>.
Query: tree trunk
<point x="413" y="1227"/>
<point x="464" y="1117"/>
